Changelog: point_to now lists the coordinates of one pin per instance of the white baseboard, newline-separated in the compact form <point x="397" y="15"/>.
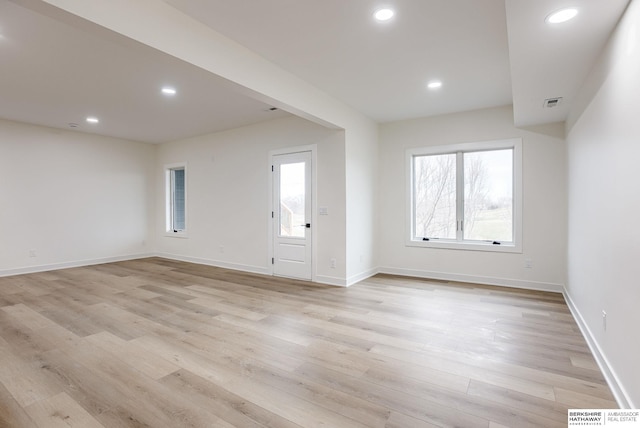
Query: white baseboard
<point x="341" y="282"/>
<point x="323" y="279"/>
<point x="330" y="280"/>
<point x="361" y="276"/>
<point x="73" y="264"/>
<point x="216" y="263"/>
<point x="619" y="392"/>
<point x="487" y="280"/>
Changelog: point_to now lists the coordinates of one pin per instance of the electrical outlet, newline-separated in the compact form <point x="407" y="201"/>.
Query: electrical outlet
<point x="221" y="249"/>
<point x="604" y="320"/>
<point x="32" y="253"/>
<point x="333" y="263"/>
<point x="528" y="264"/>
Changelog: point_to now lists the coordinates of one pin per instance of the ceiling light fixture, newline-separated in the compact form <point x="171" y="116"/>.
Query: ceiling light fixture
<point x="384" y="14"/>
<point x="92" y="119"/>
<point x="435" y="84"/>
<point x="562" y="15"/>
<point x="168" y="91"/>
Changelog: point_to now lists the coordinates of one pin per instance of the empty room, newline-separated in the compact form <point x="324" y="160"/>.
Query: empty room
<point x="329" y="213"/>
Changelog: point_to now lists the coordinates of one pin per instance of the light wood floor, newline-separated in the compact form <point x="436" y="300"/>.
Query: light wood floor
<point x="158" y="343"/>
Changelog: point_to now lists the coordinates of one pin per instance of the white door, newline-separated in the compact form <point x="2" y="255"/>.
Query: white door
<point x="292" y="228"/>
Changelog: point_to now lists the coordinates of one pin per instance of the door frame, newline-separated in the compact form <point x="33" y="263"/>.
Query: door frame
<point x="313" y="148"/>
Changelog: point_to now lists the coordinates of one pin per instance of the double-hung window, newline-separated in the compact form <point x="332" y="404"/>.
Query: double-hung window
<point x="176" y="197"/>
<point x="466" y="196"/>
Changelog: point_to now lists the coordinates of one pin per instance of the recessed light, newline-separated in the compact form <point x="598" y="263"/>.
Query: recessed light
<point x="168" y="90"/>
<point x="562" y="15"/>
<point x="434" y="84"/>
<point x="384" y="14"/>
<point x="92" y="119"/>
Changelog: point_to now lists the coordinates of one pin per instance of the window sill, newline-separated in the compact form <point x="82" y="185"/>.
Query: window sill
<point x="466" y="246"/>
<point x="182" y="235"/>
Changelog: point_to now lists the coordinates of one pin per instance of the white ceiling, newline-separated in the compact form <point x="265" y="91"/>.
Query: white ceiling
<point x="553" y="60"/>
<point x="381" y="69"/>
<point x="53" y="73"/>
<point x="485" y="52"/>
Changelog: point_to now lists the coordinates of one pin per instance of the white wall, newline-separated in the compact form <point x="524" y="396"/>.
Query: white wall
<point x="362" y="203"/>
<point x="177" y="34"/>
<point x="171" y="31"/>
<point x="228" y="179"/>
<point x="73" y="198"/>
<point x="604" y="208"/>
<point x="544" y="202"/>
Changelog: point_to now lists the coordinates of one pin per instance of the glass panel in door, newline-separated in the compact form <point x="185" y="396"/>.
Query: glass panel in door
<point x="292" y="200"/>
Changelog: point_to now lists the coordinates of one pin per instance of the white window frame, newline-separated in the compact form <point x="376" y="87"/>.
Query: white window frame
<point x="169" y="229"/>
<point x="512" y="247"/>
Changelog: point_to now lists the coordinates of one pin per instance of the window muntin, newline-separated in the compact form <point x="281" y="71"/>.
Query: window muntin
<point x="466" y="196"/>
<point x="176" y="190"/>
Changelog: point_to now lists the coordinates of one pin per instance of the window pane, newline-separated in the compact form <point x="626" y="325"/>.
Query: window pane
<point x="435" y="196"/>
<point x="488" y="195"/>
<point x="292" y="199"/>
<point x="178" y="196"/>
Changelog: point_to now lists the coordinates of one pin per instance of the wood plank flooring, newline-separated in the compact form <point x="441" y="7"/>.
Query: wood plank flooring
<point x="160" y="343"/>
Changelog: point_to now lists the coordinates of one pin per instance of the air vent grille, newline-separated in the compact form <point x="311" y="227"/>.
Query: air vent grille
<point x="552" y="102"/>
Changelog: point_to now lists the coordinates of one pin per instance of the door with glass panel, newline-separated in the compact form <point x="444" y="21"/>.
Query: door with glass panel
<point x="292" y="228"/>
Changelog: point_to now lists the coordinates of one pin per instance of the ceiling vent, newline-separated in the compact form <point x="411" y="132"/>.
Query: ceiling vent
<point x="552" y="102"/>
